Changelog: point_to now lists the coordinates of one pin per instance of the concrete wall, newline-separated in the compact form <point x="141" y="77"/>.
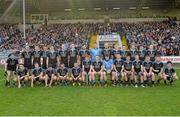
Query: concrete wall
<point x="111" y="20"/>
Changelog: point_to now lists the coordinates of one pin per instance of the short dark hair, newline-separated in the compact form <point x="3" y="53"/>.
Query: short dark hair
<point x="169" y="62"/>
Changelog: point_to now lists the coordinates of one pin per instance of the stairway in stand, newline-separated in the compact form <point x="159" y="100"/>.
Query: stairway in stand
<point x="124" y="42"/>
<point x="92" y="41"/>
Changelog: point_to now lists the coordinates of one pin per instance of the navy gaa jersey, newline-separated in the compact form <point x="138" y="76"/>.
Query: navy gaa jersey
<point x="169" y="71"/>
<point x="27" y="58"/>
<point x="157" y="66"/>
<point x="128" y="65"/>
<point x="62" y="71"/>
<point x="123" y="54"/>
<point x="37" y="71"/>
<point x="115" y="52"/>
<point x="83" y="53"/>
<point x="50" y="72"/>
<point x="86" y="64"/>
<point x="97" y="65"/>
<point x="73" y="55"/>
<point x="147" y="65"/>
<point x="52" y="56"/>
<point x="151" y="54"/>
<point x="64" y="56"/>
<point x="137" y="66"/>
<point x="132" y="54"/>
<point x="118" y="64"/>
<point x="105" y="52"/>
<point x="21" y="72"/>
<point x="142" y="54"/>
<point x="44" y="57"/>
<point x="76" y="71"/>
<point x="37" y="56"/>
<point x="12" y="62"/>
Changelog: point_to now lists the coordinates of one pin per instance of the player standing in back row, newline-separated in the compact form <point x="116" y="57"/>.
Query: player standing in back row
<point x="73" y="56"/>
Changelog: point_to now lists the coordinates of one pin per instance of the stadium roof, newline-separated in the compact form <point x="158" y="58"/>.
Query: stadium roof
<point x="11" y="10"/>
<point x="54" y="5"/>
<point x="63" y="5"/>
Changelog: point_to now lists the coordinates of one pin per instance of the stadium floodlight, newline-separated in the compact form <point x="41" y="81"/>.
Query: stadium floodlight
<point x="68" y="9"/>
<point x="81" y="9"/>
<point x="132" y="8"/>
<point x="97" y="9"/>
<point x="145" y="7"/>
<point x="116" y="8"/>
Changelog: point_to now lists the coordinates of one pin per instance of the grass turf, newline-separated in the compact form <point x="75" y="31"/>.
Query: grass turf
<point x="160" y="100"/>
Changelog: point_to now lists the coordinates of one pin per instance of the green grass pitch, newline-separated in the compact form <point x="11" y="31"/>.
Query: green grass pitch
<point x="160" y="100"/>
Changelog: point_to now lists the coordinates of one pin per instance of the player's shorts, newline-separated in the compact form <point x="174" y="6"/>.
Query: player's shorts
<point x="75" y="76"/>
<point x="138" y="73"/>
<point x="37" y="79"/>
<point x="149" y="77"/>
<point x="118" y="74"/>
<point x="28" y="66"/>
<point x="61" y="75"/>
<point x="86" y="70"/>
<point x="11" y="68"/>
<point x="169" y="78"/>
<point x="97" y="70"/>
<point x="155" y="72"/>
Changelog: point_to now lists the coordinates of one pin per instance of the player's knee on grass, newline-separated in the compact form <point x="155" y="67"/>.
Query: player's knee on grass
<point x="175" y="77"/>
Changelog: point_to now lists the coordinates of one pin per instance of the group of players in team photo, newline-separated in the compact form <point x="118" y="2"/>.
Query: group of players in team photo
<point x="72" y="66"/>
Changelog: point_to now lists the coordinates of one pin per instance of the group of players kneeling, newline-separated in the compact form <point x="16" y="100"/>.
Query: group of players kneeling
<point x="122" y="73"/>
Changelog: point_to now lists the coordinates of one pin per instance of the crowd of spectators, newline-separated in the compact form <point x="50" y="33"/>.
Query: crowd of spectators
<point x="8" y="32"/>
<point x="164" y="36"/>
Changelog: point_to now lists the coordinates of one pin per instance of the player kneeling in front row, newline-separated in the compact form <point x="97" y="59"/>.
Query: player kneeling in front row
<point x="50" y="75"/>
<point x="108" y="67"/>
<point x="148" y="71"/>
<point x="117" y="73"/>
<point x="22" y="75"/>
<point x="62" y="74"/>
<point x="137" y="71"/>
<point x="128" y="74"/>
<point x="158" y="68"/>
<point x="86" y="67"/>
<point x="37" y="75"/>
<point x="169" y="73"/>
<point x="76" y="75"/>
<point x="97" y="69"/>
